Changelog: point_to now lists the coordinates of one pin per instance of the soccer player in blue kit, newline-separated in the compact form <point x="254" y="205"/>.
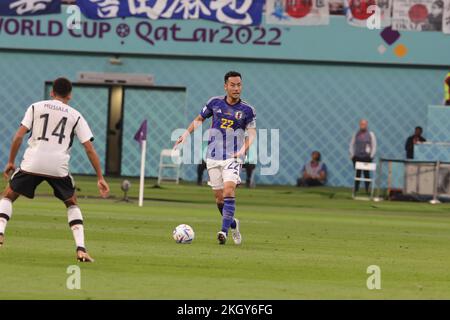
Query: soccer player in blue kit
<point x="232" y="132"/>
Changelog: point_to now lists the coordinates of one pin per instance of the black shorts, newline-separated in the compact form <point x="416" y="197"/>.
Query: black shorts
<point x="25" y="184"/>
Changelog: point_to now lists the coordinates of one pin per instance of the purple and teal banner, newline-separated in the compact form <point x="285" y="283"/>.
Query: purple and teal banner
<point x="29" y="7"/>
<point x="338" y="42"/>
<point x="239" y="12"/>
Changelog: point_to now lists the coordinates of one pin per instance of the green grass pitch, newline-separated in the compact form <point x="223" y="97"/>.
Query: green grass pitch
<point x="298" y="244"/>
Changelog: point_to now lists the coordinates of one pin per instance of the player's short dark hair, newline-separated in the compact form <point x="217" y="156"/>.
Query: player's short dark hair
<point x="62" y="87"/>
<point x="230" y="74"/>
<point x="419" y="128"/>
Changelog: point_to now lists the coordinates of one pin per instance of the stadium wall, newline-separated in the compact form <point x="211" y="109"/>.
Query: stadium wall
<point x="316" y="106"/>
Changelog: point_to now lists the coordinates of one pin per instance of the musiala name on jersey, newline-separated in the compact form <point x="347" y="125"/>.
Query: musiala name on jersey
<point x="58" y="108"/>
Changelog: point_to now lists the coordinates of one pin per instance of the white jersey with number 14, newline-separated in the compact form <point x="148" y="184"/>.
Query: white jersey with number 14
<point x="53" y="125"/>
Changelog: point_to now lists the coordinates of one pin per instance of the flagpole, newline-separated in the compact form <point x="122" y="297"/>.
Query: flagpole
<point x="141" y="182"/>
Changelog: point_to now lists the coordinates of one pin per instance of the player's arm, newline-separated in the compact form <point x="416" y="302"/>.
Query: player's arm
<point x="191" y="128"/>
<point x="15" y="146"/>
<point x="250" y="128"/>
<point x="247" y="143"/>
<point x="103" y="186"/>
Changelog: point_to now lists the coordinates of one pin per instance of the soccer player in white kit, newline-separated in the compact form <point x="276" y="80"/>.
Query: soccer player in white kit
<point x="52" y="125"/>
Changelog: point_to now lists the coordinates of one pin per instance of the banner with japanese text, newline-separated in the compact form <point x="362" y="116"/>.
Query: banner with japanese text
<point x="29" y="7"/>
<point x="340" y="42"/>
<point x="239" y="12"/>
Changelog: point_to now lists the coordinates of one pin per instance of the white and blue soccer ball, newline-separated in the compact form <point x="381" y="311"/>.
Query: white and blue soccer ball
<point x="183" y="234"/>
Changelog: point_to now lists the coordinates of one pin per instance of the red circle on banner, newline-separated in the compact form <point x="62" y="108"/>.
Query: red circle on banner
<point x="359" y="8"/>
<point x="298" y="8"/>
<point x="418" y="13"/>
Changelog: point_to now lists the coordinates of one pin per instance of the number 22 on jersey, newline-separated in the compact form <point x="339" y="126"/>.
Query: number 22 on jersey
<point x="226" y="123"/>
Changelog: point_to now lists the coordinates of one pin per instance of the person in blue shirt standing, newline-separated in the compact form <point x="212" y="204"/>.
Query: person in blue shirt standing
<point x="227" y="147"/>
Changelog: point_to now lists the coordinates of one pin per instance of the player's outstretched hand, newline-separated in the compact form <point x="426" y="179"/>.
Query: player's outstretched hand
<point x="103" y="187"/>
<point x="179" y="141"/>
<point x="10" y="168"/>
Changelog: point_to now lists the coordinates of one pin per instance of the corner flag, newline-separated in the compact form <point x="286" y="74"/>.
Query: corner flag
<point x="141" y="137"/>
<point x="141" y="134"/>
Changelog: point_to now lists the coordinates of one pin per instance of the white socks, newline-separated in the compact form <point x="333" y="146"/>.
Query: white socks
<point x="75" y="219"/>
<point x="74" y="216"/>
<point x="5" y="213"/>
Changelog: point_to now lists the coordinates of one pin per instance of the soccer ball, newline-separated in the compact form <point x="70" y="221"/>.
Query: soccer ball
<point x="183" y="234"/>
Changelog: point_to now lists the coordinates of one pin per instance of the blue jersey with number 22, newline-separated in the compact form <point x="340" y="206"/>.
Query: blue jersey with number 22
<point x="229" y="123"/>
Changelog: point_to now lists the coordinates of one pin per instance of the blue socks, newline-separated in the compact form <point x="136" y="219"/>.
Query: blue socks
<point x="220" y="207"/>
<point x="229" y="205"/>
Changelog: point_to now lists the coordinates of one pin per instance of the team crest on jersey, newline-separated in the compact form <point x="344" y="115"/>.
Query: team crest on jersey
<point x="238" y="115"/>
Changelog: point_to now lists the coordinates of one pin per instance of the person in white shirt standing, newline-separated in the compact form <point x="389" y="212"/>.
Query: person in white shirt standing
<point x="52" y="126"/>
